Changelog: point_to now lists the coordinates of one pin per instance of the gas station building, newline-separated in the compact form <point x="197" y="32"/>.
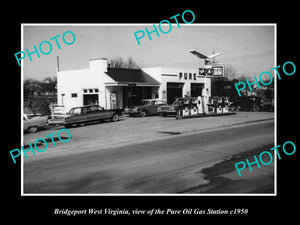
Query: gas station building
<point x="118" y="87"/>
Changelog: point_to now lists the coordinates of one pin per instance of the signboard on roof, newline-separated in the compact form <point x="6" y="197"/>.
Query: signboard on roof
<point x="213" y="71"/>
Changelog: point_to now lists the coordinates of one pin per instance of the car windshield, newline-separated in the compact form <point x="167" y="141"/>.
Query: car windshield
<point x="75" y="111"/>
<point x="269" y="94"/>
<point x="176" y="102"/>
<point x="86" y="110"/>
<point x="96" y="108"/>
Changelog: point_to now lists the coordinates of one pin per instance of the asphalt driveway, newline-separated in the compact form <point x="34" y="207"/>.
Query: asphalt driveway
<point x="136" y="130"/>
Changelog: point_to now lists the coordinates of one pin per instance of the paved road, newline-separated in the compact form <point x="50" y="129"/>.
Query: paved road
<point x="132" y="130"/>
<point x="174" y="164"/>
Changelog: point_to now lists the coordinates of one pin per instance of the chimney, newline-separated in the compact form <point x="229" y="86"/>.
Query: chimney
<point x="98" y="64"/>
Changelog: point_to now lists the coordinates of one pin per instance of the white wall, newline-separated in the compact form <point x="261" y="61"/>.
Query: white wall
<point x="74" y="81"/>
<point x="167" y="74"/>
<point x="155" y="72"/>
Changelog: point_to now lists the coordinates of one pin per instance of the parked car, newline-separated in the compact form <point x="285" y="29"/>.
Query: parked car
<point x="147" y="107"/>
<point x="32" y="124"/>
<point x="268" y="97"/>
<point x="254" y="103"/>
<point x="91" y="113"/>
<point x="167" y="110"/>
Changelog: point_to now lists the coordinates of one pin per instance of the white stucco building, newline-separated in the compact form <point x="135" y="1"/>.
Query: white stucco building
<point x="176" y="82"/>
<point x="118" y="88"/>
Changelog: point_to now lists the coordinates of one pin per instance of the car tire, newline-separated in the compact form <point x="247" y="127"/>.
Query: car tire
<point x="256" y="108"/>
<point x="115" y="117"/>
<point x="143" y="113"/>
<point x="32" y="129"/>
<point x="81" y="124"/>
<point x="68" y="125"/>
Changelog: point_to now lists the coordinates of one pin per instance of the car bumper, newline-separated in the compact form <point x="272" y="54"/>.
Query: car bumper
<point x="131" y="112"/>
<point x="168" y="112"/>
<point x="56" y="122"/>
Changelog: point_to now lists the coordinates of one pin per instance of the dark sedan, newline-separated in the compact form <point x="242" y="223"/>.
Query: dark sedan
<point x="147" y="107"/>
<point x="171" y="109"/>
<point x="254" y="103"/>
<point x="91" y="113"/>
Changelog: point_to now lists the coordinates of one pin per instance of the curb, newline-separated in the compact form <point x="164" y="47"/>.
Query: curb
<point x="205" y="115"/>
<point x="213" y="128"/>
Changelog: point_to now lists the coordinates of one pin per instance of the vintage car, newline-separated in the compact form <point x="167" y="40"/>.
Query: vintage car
<point x="90" y="113"/>
<point x="167" y="110"/>
<point x="254" y="103"/>
<point x="147" y="107"/>
<point x="268" y="96"/>
<point x="32" y="124"/>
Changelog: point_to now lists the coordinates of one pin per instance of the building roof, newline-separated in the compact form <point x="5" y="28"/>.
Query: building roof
<point x="130" y="76"/>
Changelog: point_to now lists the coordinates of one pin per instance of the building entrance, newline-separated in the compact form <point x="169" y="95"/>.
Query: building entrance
<point x="196" y="89"/>
<point x="90" y="99"/>
<point x="133" y="95"/>
<point x="174" y="90"/>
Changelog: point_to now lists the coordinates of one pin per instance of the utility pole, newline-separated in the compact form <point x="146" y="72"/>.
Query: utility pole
<point x="57" y="63"/>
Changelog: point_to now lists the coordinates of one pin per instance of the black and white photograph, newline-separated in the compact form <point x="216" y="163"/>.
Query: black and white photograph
<point x="150" y="111"/>
<point x="151" y="123"/>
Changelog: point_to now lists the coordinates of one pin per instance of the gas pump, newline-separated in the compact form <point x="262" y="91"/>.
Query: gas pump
<point x="215" y="104"/>
<point x="200" y="105"/>
<point x="207" y="107"/>
<point x="210" y="106"/>
<point x="219" y="108"/>
<point x="193" y="106"/>
<point x="226" y="104"/>
<point x="186" y="108"/>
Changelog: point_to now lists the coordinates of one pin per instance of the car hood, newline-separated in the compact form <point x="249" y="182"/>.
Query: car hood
<point x="136" y="106"/>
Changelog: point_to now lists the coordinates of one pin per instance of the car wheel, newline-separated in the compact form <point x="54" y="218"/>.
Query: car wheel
<point x="81" y="124"/>
<point x="32" y="129"/>
<point x="255" y="108"/>
<point x="115" y="118"/>
<point x="143" y="113"/>
<point x="68" y="125"/>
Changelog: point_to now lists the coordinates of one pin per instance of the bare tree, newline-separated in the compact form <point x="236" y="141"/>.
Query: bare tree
<point x="118" y="62"/>
<point x="34" y="99"/>
<point x="230" y="72"/>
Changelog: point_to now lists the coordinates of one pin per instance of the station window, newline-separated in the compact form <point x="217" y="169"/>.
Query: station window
<point x="90" y="90"/>
<point x="84" y="90"/>
<point x="74" y="95"/>
<point x="96" y="90"/>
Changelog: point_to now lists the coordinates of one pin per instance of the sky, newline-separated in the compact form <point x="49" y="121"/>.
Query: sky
<point x="247" y="48"/>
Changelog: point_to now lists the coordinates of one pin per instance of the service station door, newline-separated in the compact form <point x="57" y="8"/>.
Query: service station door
<point x="174" y="90"/>
<point x="90" y="99"/>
